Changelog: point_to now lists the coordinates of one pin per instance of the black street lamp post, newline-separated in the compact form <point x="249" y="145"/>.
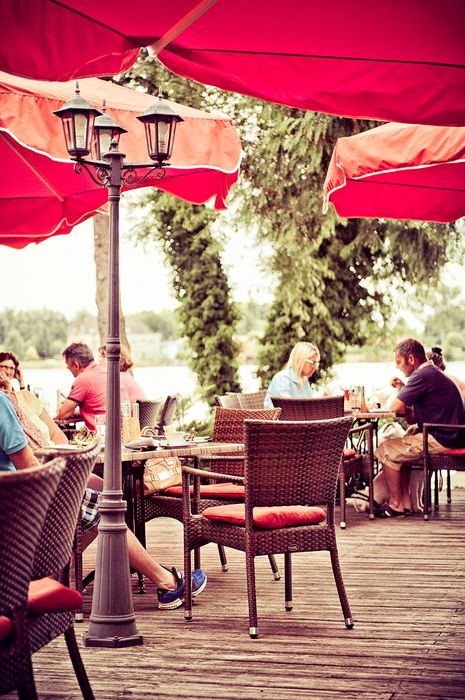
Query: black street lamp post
<point x="112" y="620"/>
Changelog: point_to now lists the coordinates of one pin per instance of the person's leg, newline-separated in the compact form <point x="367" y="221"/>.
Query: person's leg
<point x="141" y="561"/>
<point x="405" y="487"/>
<point x="393" y="481"/>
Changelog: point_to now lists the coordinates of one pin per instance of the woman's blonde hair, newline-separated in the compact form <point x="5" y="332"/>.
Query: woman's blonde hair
<point x="299" y="354"/>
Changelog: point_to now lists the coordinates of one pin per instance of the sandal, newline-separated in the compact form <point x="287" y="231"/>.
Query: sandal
<point x="391" y="513"/>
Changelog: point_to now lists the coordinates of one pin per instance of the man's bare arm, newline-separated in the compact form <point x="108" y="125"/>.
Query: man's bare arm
<point x="67" y="409"/>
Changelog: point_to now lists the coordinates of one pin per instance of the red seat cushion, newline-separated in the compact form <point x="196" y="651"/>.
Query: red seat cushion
<point x="454" y="452"/>
<point x="47" y="595"/>
<point x="348" y="452"/>
<point x="267" y="517"/>
<point x="6" y="627"/>
<point x="230" y="492"/>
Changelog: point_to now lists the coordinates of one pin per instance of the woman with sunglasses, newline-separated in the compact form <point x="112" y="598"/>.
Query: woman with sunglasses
<point x="28" y="402"/>
<point x="292" y="382"/>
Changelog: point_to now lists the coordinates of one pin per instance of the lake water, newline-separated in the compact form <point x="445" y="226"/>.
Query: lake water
<point x="158" y="382"/>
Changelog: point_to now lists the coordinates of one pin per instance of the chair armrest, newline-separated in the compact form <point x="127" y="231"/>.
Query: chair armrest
<point x="212" y="475"/>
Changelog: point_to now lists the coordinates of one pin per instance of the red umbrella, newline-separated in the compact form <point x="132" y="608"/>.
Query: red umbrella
<point x="41" y="195"/>
<point x="399" y="171"/>
<point x="395" y="61"/>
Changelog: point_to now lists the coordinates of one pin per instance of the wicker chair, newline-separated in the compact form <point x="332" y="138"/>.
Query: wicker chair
<point x="293" y="464"/>
<point x="148" y="412"/>
<point x="228" y="401"/>
<point x="449" y="460"/>
<point x="25" y="497"/>
<point x="64" y="524"/>
<point x="228" y="427"/>
<point x="252" y="400"/>
<point x="354" y="463"/>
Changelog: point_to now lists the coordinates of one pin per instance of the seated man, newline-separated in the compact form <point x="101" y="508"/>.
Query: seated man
<point x="89" y="389"/>
<point x="428" y="397"/>
<point x="15" y="453"/>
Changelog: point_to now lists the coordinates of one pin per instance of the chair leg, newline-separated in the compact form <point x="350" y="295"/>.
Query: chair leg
<point x="197" y="558"/>
<point x="342" y="498"/>
<point x="77" y="553"/>
<point x="340" y="587"/>
<point x="251" y="594"/>
<point x="187" y="581"/>
<point x="223" y="560"/>
<point x="27" y="689"/>
<point x="274" y="567"/>
<point x="78" y="665"/>
<point x="426" y="493"/>
<point x="287" y="581"/>
<point x="449" y="491"/>
<point x="436" y="490"/>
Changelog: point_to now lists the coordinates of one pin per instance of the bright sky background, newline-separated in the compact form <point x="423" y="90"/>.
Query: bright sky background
<point x="60" y="274"/>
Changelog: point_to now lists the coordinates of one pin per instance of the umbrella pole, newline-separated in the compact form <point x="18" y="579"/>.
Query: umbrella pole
<point x="112" y="620"/>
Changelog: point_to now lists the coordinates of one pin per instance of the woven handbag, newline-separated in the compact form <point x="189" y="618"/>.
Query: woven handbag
<point x="161" y="472"/>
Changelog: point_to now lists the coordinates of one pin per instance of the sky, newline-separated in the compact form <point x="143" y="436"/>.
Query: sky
<point x="59" y="274"/>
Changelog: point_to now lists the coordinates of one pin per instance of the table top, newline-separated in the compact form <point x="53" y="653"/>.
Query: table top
<point x="374" y="415"/>
<point x="202" y="449"/>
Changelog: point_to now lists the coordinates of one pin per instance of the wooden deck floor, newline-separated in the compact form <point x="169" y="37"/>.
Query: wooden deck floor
<point x="406" y="584"/>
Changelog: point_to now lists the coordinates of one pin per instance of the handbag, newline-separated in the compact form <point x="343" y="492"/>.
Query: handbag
<point x="161" y="472"/>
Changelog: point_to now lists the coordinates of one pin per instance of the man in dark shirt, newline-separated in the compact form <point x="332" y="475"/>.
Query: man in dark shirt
<point x="428" y="397"/>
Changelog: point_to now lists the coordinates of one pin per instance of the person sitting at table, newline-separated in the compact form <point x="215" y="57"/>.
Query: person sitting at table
<point x="427" y="397"/>
<point x="292" y="382"/>
<point x="89" y="390"/>
<point x="133" y="389"/>
<point x="437" y="358"/>
<point x="16" y="453"/>
<point x="28" y="402"/>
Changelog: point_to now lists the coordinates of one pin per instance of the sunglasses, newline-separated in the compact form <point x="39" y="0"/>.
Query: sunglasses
<point x="314" y="363"/>
<point x="8" y="367"/>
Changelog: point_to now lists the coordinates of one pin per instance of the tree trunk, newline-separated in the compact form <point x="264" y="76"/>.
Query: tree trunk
<point x="101" y="257"/>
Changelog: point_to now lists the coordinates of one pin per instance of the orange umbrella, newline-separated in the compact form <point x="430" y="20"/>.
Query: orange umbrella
<point x="399" y="171"/>
<point x="42" y="194"/>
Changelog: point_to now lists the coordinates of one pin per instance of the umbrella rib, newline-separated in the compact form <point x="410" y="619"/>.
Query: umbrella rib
<point x="180" y="26"/>
<point x="32" y="169"/>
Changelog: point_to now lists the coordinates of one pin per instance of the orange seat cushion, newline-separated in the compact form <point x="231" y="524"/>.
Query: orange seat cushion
<point x="6" y="627"/>
<point x="454" y="452"/>
<point x="267" y="517"/>
<point x="47" y="595"/>
<point x="349" y="452"/>
<point x="230" y="492"/>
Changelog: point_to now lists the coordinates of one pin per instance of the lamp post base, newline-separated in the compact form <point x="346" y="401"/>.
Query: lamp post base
<point x="113" y="642"/>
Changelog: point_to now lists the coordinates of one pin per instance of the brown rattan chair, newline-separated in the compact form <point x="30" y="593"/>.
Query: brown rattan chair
<point x="228" y="401"/>
<point x="148" y="412"/>
<point x="25" y="497"/>
<point x="252" y="400"/>
<point x="79" y="465"/>
<point x="449" y="460"/>
<point x="228" y="427"/>
<point x="354" y="463"/>
<point x="290" y="464"/>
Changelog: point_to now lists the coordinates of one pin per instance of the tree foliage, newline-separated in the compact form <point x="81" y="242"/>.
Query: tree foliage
<point x="206" y="313"/>
<point x="44" y="331"/>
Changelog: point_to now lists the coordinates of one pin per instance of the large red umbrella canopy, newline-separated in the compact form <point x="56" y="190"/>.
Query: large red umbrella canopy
<point x="41" y="195"/>
<point x="399" y="171"/>
<point x="394" y="61"/>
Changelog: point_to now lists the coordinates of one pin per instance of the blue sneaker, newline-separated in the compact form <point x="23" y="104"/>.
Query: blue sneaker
<point x="170" y="600"/>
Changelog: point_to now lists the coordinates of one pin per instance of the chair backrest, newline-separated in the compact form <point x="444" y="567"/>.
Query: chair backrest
<point x="25" y="497"/>
<point x="167" y="412"/>
<point x="229" y="422"/>
<point x="255" y="399"/>
<point x="293" y="463"/>
<point x="228" y="401"/>
<point x="148" y="412"/>
<point x="310" y="409"/>
<point x="55" y="546"/>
